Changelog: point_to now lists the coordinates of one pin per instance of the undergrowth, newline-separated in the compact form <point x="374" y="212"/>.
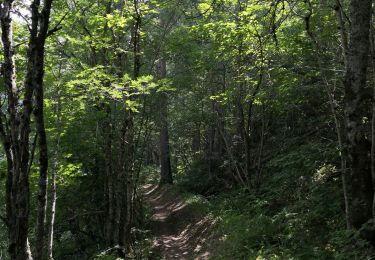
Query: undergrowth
<point x="297" y="212"/>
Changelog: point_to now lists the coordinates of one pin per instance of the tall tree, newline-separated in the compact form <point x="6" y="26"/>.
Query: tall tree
<point x="165" y="159"/>
<point x="129" y="135"/>
<point x="357" y="95"/>
<point x="54" y="173"/>
<point x="16" y="137"/>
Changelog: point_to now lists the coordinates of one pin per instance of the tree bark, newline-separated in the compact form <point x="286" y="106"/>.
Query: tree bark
<point x="128" y="138"/>
<point x="110" y="185"/>
<point x="17" y="196"/>
<point x="165" y="160"/>
<point x="16" y="141"/>
<point x="43" y="20"/>
<point x="55" y="171"/>
<point x="360" y="188"/>
<point x="342" y="29"/>
<point x="372" y="46"/>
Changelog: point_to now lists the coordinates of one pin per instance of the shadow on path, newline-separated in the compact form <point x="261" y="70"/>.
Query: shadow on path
<point x="179" y="232"/>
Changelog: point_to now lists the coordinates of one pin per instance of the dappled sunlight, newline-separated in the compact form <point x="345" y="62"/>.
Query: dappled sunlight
<point x="179" y="234"/>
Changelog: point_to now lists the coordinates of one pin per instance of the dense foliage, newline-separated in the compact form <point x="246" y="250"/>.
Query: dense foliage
<point x="248" y="104"/>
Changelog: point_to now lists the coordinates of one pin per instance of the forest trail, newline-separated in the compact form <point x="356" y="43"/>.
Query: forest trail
<point x="179" y="232"/>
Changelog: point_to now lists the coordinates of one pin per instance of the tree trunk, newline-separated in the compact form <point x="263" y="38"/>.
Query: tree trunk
<point x="55" y="171"/>
<point x="331" y="95"/>
<point x="17" y="196"/>
<point x="128" y="138"/>
<point x="360" y="188"/>
<point x="111" y="236"/>
<point x="43" y="20"/>
<point x="16" y="141"/>
<point x="165" y="160"/>
<point x="342" y="29"/>
<point x="372" y="46"/>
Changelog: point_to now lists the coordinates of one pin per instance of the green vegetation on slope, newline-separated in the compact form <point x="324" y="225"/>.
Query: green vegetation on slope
<point x="297" y="213"/>
<point x="261" y="111"/>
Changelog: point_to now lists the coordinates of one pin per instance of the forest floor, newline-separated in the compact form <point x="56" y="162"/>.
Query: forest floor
<point x="179" y="231"/>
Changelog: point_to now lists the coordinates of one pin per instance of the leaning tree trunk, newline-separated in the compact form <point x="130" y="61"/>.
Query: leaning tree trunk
<point x="330" y="91"/>
<point x="360" y="188"/>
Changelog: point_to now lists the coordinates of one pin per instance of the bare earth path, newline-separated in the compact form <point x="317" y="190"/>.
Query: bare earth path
<point x="179" y="232"/>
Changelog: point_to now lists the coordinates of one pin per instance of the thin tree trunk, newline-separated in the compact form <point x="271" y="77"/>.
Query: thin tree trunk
<point x="43" y="169"/>
<point x="342" y="29"/>
<point x="332" y="102"/>
<point x="372" y="46"/>
<point x="373" y="144"/>
<point x="261" y="146"/>
<point x="165" y="160"/>
<point x="344" y="45"/>
<point x="111" y="236"/>
<point x="55" y="172"/>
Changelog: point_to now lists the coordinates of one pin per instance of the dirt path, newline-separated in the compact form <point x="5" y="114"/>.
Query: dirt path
<point x="179" y="232"/>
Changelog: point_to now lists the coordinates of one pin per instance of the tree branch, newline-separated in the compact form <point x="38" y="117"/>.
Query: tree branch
<point x="57" y="27"/>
